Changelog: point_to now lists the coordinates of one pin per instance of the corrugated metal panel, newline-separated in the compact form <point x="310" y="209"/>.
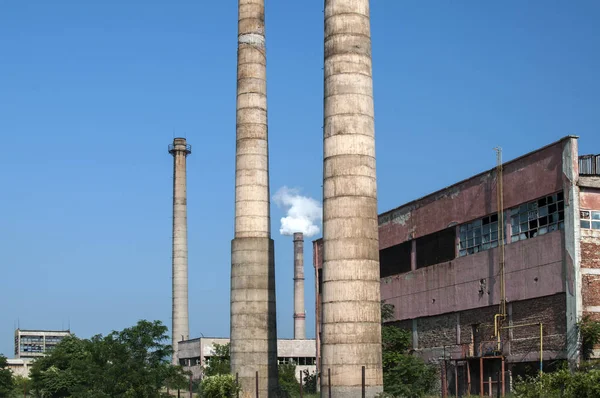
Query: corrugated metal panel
<point x="589" y="165"/>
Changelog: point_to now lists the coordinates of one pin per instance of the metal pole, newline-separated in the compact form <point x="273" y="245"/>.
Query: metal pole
<point x="363" y="383"/>
<point x="257" y="384"/>
<point x="481" y="392"/>
<point x="300" y="384"/>
<point x="490" y="385"/>
<point x="456" y="378"/>
<point x="541" y="347"/>
<point x="191" y="396"/>
<point x="498" y="387"/>
<point x="329" y="381"/>
<point x="468" y="379"/>
<point x="237" y="385"/>
<point x="503" y="379"/>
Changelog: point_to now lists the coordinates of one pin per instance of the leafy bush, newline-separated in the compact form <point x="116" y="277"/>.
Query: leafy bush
<point x="219" y="363"/>
<point x="560" y="384"/>
<point x="287" y="380"/>
<point x="590" y="336"/>
<point x="310" y="382"/>
<point x="409" y="378"/>
<point x="404" y="375"/>
<point x="219" y="386"/>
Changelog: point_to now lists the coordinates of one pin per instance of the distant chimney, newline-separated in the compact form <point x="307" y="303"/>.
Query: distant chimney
<point x="180" y="330"/>
<point x="299" y="313"/>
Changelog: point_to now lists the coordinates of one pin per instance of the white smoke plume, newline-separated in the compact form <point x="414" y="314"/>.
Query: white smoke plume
<point x="304" y="214"/>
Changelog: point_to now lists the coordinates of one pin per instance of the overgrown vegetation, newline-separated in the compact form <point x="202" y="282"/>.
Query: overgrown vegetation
<point x="404" y="375"/>
<point x="560" y="384"/>
<point x="219" y="386"/>
<point x="590" y="336"/>
<point x="132" y="363"/>
<point x="219" y="363"/>
<point x="7" y="384"/>
<point x="563" y="383"/>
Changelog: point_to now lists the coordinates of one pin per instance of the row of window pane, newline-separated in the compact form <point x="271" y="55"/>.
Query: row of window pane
<point x="537" y="217"/>
<point x="481" y="234"/>
<point x="296" y="360"/>
<point x="527" y="221"/>
<point x="590" y="219"/>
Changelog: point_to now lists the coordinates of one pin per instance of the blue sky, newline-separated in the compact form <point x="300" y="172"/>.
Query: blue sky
<point x="92" y="92"/>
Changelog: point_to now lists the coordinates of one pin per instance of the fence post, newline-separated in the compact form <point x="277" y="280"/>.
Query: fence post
<point x="257" y="384"/>
<point x="363" y="383"/>
<point x="300" y="384"/>
<point x="498" y="386"/>
<point x="329" y="381"/>
<point x="490" y="386"/>
<point x="237" y="385"/>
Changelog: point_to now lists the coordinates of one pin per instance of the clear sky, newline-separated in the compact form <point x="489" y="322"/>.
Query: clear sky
<point x="92" y="92"/>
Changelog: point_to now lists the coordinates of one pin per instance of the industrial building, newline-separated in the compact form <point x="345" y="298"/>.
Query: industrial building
<point x="36" y="343"/>
<point x="20" y="367"/>
<point x="492" y="274"/>
<point x="194" y="354"/>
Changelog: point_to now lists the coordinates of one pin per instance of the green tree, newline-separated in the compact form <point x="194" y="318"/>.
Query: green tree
<point x="219" y="363"/>
<point x="6" y="378"/>
<point x="288" y="384"/>
<point x="219" y="386"/>
<point x="133" y="363"/>
<point x="21" y="385"/>
<point x="590" y="336"/>
<point x="404" y="375"/>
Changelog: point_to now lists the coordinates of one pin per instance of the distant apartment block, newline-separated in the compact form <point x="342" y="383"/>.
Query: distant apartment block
<point x="36" y="343"/>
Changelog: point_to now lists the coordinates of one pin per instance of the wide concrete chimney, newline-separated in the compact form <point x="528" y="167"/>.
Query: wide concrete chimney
<point x="351" y="316"/>
<point x="299" y="313"/>
<point x="253" y="314"/>
<point x="180" y="318"/>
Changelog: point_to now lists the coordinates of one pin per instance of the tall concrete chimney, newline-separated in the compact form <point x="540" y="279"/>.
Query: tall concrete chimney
<point x="253" y="314"/>
<point x="299" y="313"/>
<point x="351" y="329"/>
<point x="180" y="330"/>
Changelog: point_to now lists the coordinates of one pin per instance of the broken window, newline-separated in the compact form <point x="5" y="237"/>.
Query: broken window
<point x="395" y="260"/>
<point x="538" y="217"/>
<point x="589" y="219"/>
<point x="478" y="235"/>
<point x="436" y="248"/>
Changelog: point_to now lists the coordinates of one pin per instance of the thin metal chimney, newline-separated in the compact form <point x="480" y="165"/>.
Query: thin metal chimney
<point x="180" y="317"/>
<point x="299" y="313"/>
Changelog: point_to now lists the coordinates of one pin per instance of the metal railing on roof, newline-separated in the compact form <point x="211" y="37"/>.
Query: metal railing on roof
<point x="589" y="165"/>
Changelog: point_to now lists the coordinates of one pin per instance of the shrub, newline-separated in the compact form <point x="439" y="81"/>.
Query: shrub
<point x="219" y="386"/>
<point x="560" y="384"/>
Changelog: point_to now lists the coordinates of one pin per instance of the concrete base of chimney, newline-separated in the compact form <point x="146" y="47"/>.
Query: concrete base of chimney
<point x="253" y="315"/>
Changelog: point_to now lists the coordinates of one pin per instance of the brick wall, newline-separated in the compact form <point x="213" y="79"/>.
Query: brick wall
<point x="477" y="326"/>
<point x="551" y="312"/>
<point x="590" y="265"/>
<point x="437" y="331"/>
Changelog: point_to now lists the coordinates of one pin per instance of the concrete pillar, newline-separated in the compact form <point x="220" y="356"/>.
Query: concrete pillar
<point x="180" y="318"/>
<point x="253" y="315"/>
<point x="351" y="324"/>
<point x="299" y="313"/>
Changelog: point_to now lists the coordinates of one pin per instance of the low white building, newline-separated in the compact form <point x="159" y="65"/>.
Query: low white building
<point x="20" y="366"/>
<point x="193" y="354"/>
